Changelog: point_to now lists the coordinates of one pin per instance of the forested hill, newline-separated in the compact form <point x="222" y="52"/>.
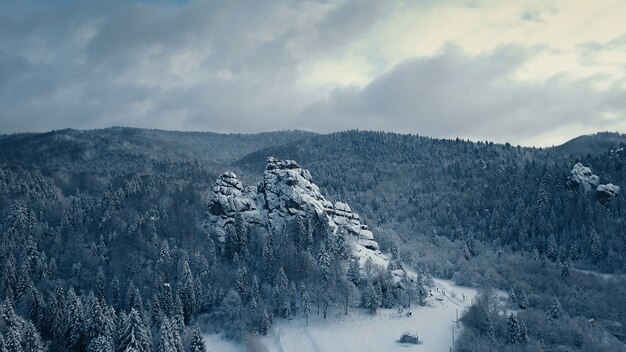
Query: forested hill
<point x="105" y="232"/>
<point x="592" y="144"/>
<point x="78" y="146"/>
<point x="516" y="198"/>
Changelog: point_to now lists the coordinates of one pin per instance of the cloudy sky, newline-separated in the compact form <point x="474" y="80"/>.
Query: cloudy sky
<point x="526" y="72"/>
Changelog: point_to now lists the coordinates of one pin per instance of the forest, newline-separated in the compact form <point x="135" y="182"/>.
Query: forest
<point x="106" y="244"/>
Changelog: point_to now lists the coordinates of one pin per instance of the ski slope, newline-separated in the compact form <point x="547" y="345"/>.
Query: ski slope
<point x="362" y="331"/>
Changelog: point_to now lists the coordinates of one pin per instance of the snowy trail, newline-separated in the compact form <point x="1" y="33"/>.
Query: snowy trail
<point x="362" y="331"/>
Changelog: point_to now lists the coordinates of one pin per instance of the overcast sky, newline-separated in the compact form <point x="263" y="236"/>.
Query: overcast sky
<point x="526" y="72"/>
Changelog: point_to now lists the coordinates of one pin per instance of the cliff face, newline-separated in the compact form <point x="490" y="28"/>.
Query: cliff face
<point x="288" y="191"/>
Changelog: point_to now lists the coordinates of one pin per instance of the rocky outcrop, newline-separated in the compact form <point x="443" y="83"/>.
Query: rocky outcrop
<point x="285" y="192"/>
<point x="608" y="190"/>
<point x="582" y="175"/>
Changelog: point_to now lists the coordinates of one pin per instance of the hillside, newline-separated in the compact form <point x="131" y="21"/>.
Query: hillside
<point x="158" y="232"/>
<point x="597" y="143"/>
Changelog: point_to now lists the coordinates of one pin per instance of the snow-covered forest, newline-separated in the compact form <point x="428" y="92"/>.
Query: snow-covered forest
<point x="142" y="240"/>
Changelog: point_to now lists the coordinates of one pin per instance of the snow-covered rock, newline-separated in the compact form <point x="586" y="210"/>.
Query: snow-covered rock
<point x="287" y="191"/>
<point x="583" y="175"/>
<point x="608" y="190"/>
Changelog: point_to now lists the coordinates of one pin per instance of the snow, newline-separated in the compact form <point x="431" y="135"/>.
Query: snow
<point x="218" y="343"/>
<point x="609" y="189"/>
<point x="286" y="191"/>
<point x="581" y="174"/>
<point x="604" y="276"/>
<point x="362" y="331"/>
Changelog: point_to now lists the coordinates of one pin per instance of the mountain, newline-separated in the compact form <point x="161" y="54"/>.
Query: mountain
<point x="600" y="142"/>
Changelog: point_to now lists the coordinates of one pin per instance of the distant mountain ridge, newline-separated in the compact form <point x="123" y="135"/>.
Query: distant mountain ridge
<point x="600" y="142"/>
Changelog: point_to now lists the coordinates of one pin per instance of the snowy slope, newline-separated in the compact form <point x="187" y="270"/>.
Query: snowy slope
<point x="362" y="331"/>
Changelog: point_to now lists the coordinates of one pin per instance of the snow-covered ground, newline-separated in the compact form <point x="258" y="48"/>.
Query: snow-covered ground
<point x="362" y="331"/>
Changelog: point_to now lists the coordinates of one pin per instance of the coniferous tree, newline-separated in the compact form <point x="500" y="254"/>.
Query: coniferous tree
<point x="115" y="295"/>
<point x="12" y="342"/>
<point x="187" y="292"/>
<point x="513" y="335"/>
<point x="197" y="343"/>
<point x="166" y="341"/>
<point x="522" y="300"/>
<point x="565" y="270"/>
<point x="371" y="299"/>
<point x="305" y="302"/>
<point x="101" y="344"/>
<point x="133" y="334"/>
<point x="74" y="322"/>
<point x="555" y="309"/>
<point x="31" y="341"/>
<point x="552" y="249"/>
<point x="166" y="299"/>
<point x="523" y="333"/>
<point x="100" y="285"/>
<point x="354" y="272"/>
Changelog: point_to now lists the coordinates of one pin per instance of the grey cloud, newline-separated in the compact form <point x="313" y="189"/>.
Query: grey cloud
<point x="452" y="94"/>
<point x="114" y="63"/>
<point x="102" y="63"/>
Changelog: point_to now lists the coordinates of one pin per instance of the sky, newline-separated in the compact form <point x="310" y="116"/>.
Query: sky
<point x="526" y="72"/>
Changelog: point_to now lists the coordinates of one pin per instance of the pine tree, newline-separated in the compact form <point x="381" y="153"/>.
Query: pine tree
<point x="305" y="302"/>
<point x="12" y="341"/>
<point x="241" y="282"/>
<point x="565" y="271"/>
<point x="523" y="333"/>
<point x="354" y="272"/>
<point x="56" y="315"/>
<point x="512" y="296"/>
<point x="9" y="280"/>
<point x="552" y="249"/>
<point x="513" y="335"/>
<point x="134" y="335"/>
<point x="268" y="256"/>
<point x="323" y="263"/>
<point x="265" y="323"/>
<point x="155" y="312"/>
<point x="100" y="285"/>
<point x="31" y="341"/>
<point x="555" y="309"/>
<point x="187" y="292"/>
<point x="167" y="300"/>
<point x="255" y="289"/>
<point x="596" y="248"/>
<point x="197" y="343"/>
<point x="371" y="299"/>
<point x="165" y="342"/>
<point x="241" y="243"/>
<point x="230" y="244"/>
<point x="178" y="318"/>
<point x="115" y="295"/>
<point x="293" y="292"/>
<point x="74" y="322"/>
<point x="522" y="301"/>
<point x="37" y="309"/>
<point x="130" y="297"/>
<point x="466" y="252"/>
<point x="101" y="344"/>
